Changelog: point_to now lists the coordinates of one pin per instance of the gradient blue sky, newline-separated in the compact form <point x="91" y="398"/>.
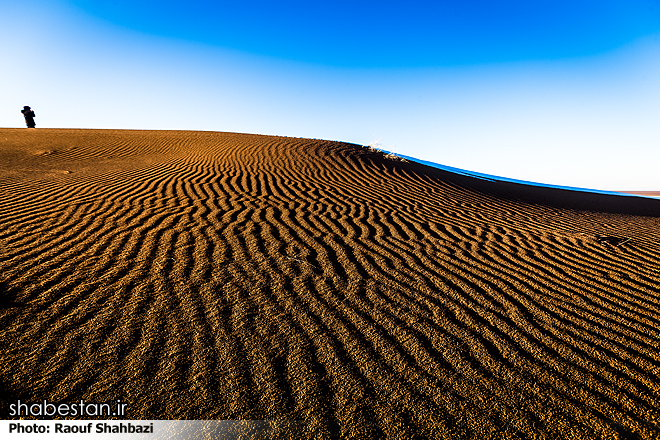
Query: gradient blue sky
<point x="558" y="92"/>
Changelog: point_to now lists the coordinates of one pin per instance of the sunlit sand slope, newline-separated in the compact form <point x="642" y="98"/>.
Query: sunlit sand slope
<point x="206" y="275"/>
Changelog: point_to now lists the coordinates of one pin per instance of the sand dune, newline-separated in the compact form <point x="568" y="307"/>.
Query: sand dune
<point x="203" y="275"/>
<point x="644" y="193"/>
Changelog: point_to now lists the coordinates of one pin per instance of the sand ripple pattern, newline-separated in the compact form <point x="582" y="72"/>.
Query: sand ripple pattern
<point x="230" y="276"/>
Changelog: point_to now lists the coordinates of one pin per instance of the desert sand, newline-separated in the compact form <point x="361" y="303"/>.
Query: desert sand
<point x="201" y="275"/>
<point x="644" y="193"/>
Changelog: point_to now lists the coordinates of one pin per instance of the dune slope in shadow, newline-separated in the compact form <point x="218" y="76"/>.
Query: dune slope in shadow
<point x="200" y="275"/>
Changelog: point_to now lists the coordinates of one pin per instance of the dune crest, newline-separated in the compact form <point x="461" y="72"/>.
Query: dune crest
<point x="200" y="275"/>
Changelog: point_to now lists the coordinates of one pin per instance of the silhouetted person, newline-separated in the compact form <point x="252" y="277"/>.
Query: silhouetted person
<point x="29" y="116"/>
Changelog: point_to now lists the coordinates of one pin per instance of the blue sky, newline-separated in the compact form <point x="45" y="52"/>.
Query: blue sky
<point x="558" y="92"/>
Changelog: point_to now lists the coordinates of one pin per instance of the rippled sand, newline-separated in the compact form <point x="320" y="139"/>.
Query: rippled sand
<point x="201" y="275"/>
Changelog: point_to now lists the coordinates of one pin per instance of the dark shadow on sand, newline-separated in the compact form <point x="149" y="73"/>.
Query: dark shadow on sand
<point x="8" y="297"/>
<point x="540" y="195"/>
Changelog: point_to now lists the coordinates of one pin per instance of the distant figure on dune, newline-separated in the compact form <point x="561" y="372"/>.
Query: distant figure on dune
<point x="29" y="116"/>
